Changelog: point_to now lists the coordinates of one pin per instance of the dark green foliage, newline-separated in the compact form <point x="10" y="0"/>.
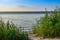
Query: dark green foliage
<point x="8" y="31"/>
<point x="49" y="25"/>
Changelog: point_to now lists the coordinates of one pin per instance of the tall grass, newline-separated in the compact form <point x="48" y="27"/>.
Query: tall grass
<point x="48" y="26"/>
<point x="8" y="31"/>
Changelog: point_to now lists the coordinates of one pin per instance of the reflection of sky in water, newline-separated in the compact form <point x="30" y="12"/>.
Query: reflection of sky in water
<point x="25" y="20"/>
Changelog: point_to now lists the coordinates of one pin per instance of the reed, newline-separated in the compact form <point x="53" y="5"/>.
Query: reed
<point x="8" y="31"/>
<point x="48" y="26"/>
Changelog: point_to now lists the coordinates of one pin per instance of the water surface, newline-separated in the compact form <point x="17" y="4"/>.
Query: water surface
<point x="24" y="20"/>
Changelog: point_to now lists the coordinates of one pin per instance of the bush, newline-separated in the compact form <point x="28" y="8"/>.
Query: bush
<point x="8" y="31"/>
<point x="48" y="26"/>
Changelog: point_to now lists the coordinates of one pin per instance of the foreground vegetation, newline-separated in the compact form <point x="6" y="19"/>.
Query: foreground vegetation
<point x="48" y="26"/>
<point x="8" y="31"/>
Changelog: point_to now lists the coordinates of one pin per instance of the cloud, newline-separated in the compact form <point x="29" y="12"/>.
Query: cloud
<point x="19" y="7"/>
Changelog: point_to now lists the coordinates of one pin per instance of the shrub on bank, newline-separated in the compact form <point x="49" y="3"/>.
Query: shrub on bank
<point x="48" y="26"/>
<point x="8" y="31"/>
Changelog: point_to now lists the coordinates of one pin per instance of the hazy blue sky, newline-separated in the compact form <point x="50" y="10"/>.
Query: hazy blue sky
<point x="28" y="5"/>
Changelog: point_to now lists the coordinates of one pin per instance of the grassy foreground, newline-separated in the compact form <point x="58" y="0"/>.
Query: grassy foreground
<point x="8" y="31"/>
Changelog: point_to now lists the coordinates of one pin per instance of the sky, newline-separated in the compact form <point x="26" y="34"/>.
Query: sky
<point x="28" y="5"/>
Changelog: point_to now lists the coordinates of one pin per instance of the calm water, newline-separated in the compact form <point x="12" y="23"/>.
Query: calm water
<point x="24" y="20"/>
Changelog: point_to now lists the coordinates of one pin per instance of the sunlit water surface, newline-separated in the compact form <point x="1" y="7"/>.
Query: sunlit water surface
<point x="23" y="20"/>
